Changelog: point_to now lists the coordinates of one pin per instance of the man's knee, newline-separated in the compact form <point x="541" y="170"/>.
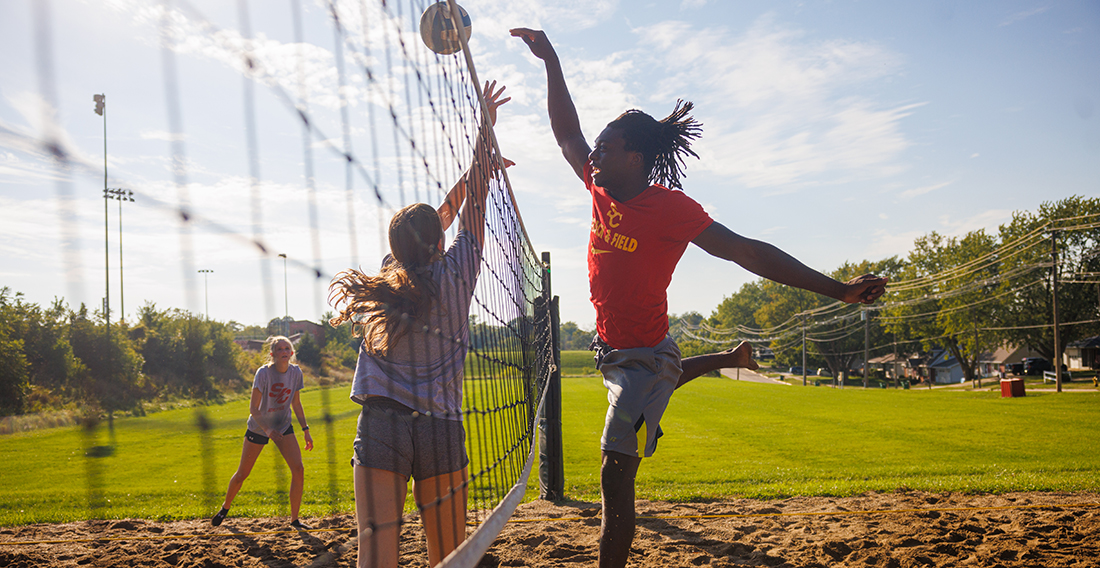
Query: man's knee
<point x="618" y="469"/>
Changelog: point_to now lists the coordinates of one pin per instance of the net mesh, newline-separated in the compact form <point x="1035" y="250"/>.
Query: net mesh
<point x="383" y="122"/>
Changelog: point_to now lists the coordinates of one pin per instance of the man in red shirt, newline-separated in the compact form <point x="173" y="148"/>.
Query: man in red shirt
<point x="641" y="225"/>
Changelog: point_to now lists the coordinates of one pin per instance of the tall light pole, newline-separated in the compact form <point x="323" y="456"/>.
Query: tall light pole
<point x="206" y="272"/>
<point x="101" y="110"/>
<point x="121" y="195"/>
<point x="286" y="301"/>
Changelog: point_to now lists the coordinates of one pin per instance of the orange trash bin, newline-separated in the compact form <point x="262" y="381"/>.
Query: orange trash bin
<point x="1012" y="388"/>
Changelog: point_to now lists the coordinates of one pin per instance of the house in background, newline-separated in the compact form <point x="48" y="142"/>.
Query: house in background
<point x="298" y="327"/>
<point x="943" y="368"/>
<point x="1084" y="353"/>
<point x="1014" y="355"/>
<point x="297" y="330"/>
<point x="894" y="366"/>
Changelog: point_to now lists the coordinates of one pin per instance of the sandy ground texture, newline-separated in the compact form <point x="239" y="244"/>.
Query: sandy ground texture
<point x="889" y="530"/>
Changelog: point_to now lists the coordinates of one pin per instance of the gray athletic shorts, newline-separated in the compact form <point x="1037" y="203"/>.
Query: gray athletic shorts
<point x="394" y="437"/>
<point x="639" y="385"/>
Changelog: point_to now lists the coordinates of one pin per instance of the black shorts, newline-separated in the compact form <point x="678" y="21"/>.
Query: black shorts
<point x="261" y="439"/>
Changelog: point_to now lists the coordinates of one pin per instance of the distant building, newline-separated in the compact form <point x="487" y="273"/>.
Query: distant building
<point x="297" y="330"/>
<point x="1084" y="353"/>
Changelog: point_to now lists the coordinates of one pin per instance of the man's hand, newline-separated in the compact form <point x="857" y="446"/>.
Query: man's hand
<point x="536" y="40"/>
<point x="865" y="289"/>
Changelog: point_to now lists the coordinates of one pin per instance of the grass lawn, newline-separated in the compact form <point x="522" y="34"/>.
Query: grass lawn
<point x="723" y="438"/>
<point x="730" y="438"/>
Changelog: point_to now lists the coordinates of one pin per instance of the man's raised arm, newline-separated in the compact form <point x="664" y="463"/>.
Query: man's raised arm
<point x="768" y="261"/>
<point x="563" y="115"/>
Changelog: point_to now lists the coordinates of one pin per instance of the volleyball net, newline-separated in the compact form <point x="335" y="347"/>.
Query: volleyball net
<point x="378" y="121"/>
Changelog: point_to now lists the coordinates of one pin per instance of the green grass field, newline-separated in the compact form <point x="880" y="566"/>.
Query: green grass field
<point x="723" y="438"/>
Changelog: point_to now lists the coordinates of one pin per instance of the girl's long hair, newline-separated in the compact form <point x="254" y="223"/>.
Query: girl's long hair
<point x="385" y="307"/>
<point x="662" y="143"/>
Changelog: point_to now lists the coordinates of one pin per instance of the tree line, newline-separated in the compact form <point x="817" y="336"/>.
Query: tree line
<point x="55" y="357"/>
<point x="968" y="294"/>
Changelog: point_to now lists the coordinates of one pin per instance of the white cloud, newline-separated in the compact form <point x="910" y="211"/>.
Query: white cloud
<point x="162" y="135"/>
<point x="1023" y="15"/>
<point x="778" y="107"/>
<point x="885" y="244"/>
<point x="989" y="220"/>
<point x="918" y="191"/>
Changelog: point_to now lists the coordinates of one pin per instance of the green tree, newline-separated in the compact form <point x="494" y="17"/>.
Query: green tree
<point x="343" y="333"/>
<point x="112" y="379"/>
<point x="780" y="317"/>
<point x="1027" y="260"/>
<point x="187" y="355"/>
<point x="14" y="377"/>
<point x="308" y="351"/>
<point x="841" y="333"/>
<point x="947" y="296"/>
<point x="51" y="364"/>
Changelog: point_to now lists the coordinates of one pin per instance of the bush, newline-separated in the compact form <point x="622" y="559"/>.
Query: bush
<point x="308" y="351"/>
<point x="340" y="353"/>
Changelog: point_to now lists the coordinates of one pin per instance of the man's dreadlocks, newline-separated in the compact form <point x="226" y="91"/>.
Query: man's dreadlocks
<point x="662" y="143"/>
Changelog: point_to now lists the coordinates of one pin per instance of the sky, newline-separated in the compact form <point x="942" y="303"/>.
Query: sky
<point x="839" y="131"/>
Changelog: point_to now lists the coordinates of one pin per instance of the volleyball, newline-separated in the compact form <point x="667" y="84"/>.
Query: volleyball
<point x="438" y="30"/>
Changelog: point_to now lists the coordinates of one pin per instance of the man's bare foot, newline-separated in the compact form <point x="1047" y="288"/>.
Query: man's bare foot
<point x="738" y="357"/>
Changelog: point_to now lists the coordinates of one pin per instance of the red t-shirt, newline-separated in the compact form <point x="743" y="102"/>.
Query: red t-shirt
<point x="633" y="250"/>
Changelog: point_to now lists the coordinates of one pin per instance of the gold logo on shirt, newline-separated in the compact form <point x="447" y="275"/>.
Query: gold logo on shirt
<point x="613" y="216"/>
<point x="601" y="232"/>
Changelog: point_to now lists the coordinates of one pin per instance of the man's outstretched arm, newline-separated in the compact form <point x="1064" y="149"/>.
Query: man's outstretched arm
<point x="563" y="115"/>
<point x="767" y="261"/>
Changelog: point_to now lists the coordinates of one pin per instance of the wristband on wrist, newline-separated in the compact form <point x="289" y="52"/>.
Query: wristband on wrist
<point x="306" y="427"/>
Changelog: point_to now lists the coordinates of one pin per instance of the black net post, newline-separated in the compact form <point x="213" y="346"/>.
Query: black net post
<point x="551" y="461"/>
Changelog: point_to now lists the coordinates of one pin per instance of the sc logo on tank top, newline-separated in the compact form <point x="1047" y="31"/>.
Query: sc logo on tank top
<point x="601" y="232"/>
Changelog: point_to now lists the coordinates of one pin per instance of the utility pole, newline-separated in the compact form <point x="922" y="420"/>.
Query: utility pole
<point x="1056" y="357"/>
<point x="977" y="354"/>
<point x="206" y="286"/>
<point x="866" y="345"/>
<point x="286" y="300"/>
<point x="895" y="360"/>
<point x="101" y="109"/>
<point x="121" y="195"/>
<point x="803" y="351"/>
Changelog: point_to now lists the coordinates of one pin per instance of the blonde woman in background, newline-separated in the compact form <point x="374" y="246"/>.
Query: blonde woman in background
<point x="275" y="393"/>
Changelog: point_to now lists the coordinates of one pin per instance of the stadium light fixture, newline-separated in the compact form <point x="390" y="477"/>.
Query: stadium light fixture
<point x="121" y="195"/>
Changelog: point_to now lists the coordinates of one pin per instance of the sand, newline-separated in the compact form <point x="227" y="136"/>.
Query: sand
<point x="889" y="530"/>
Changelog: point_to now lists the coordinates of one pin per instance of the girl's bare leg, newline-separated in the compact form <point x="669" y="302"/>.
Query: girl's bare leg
<point x="379" y="500"/>
<point x="442" y="502"/>
<point x="292" y="453"/>
<point x="249" y="454"/>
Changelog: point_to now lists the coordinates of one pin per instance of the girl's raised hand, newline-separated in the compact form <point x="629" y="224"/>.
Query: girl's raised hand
<point x="493" y="100"/>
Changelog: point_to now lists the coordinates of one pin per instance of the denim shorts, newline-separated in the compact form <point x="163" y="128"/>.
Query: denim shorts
<point x="393" y="437"/>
